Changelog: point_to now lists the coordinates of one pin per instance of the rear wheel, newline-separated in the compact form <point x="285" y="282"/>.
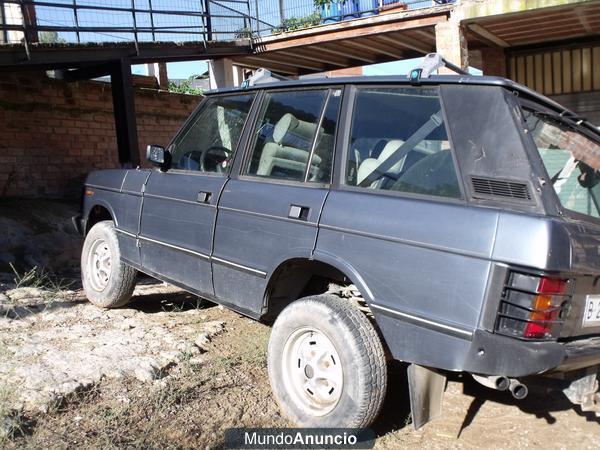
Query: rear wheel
<point x="326" y="364"/>
<point x="107" y="281"/>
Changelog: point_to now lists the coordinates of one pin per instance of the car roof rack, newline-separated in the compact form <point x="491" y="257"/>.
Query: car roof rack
<point x="262" y="76"/>
<point x="431" y="63"/>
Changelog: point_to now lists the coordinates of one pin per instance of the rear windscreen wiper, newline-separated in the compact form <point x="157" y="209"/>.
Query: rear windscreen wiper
<point x="566" y="117"/>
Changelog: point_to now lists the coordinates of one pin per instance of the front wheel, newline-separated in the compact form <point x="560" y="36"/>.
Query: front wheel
<point x="107" y="281"/>
<point x="326" y="364"/>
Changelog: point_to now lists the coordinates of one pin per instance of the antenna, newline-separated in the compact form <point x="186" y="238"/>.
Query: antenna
<point x="262" y="76"/>
<point x="431" y="63"/>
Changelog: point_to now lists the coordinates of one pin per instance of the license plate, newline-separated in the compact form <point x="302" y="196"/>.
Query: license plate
<point x="591" y="314"/>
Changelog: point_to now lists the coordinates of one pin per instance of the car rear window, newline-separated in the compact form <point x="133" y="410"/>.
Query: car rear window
<point x="572" y="161"/>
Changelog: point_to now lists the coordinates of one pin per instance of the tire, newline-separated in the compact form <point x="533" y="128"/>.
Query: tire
<point x="107" y="281"/>
<point x="326" y="364"/>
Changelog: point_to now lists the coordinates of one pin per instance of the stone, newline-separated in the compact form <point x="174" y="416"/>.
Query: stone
<point x="202" y="342"/>
<point x="145" y="374"/>
<point x="196" y="361"/>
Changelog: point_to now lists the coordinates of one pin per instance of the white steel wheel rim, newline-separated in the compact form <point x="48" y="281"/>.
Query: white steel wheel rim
<point x="99" y="264"/>
<point x="312" y="371"/>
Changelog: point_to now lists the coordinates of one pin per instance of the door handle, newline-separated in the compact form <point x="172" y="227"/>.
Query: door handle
<point x="204" y="197"/>
<point x="299" y="212"/>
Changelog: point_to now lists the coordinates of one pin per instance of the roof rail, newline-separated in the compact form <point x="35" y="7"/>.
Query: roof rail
<point x="262" y="76"/>
<point x="431" y="63"/>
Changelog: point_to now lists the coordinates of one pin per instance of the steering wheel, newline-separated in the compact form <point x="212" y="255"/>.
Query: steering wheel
<point x="213" y="159"/>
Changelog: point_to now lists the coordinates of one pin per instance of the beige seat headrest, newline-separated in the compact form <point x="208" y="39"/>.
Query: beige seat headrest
<point x="288" y="124"/>
<point x="371" y="164"/>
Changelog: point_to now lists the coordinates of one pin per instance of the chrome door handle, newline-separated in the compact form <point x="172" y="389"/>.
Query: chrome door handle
<point x="299" y="212"/>
<point x="204" y="197"/>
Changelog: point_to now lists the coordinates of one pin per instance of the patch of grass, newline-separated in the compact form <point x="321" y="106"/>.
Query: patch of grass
<point x="10" y="424"/>
<point x="255" y="353"/>
<point x="5" y="413"/>
<point x="227" y="362"/>
<point x="189" y="302"/>
<point x="39" y="278"/>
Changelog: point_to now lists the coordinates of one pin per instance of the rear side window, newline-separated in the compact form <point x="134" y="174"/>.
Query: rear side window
<point x="285" y="135"/>
<point x="399" y="142"/>
<point x="572" y="161"/>
<point x="208" y="143"/>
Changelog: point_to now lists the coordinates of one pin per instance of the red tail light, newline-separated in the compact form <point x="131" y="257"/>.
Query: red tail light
<point x="546" y="308"/>
<point x="532" y="306"/>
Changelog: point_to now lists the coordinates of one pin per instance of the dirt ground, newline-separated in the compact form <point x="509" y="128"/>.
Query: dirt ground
<point x="197" y="395"/>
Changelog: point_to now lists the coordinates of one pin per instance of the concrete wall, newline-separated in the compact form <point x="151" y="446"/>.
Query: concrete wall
<point x="53" y="133"/>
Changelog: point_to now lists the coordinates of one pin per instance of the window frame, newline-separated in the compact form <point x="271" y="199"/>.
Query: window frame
<point x="244" y="161"/>
<point x="191" y="120"/>
<point x="348" y="122"/>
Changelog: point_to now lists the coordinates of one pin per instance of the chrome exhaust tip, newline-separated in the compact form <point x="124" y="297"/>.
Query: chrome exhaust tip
<point x="518" y="390"/>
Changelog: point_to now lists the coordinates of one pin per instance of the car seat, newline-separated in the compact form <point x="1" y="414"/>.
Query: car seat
<point x="290" y="149"/>
<point x="367" y="166"/>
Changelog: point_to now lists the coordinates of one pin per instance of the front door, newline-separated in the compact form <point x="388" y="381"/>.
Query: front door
<point x="179" y="207"/>
<point x="270" y="212"/>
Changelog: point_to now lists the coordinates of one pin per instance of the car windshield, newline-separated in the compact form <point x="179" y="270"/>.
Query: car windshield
<point x="572" y="161"/>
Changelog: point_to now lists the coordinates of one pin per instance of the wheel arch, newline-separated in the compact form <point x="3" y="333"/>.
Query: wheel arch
<point x="97" y="212"/>
<point x="298" y="277"/>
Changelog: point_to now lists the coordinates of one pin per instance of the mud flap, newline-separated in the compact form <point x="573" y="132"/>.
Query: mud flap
<point x="583" y="391"/>
<point x="426" y="388"/>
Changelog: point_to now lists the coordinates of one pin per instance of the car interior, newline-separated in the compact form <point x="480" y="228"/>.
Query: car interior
<point x="384" y="120"/>
<point x="288" y="150"/>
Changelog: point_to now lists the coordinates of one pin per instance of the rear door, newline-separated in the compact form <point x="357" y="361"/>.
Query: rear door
<point x="179" y="207"/>
<point x="270" y="211"/>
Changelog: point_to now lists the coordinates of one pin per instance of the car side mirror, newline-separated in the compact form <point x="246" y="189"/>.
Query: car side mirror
<point x="158" y="156"/>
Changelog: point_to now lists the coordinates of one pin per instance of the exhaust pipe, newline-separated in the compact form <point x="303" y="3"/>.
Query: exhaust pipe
<point x="518" y="390"/>
<point x="499" y="383"/>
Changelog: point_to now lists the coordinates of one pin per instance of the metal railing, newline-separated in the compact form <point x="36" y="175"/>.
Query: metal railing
<point x="96" y="21"/>
<point x="290" y="15"/>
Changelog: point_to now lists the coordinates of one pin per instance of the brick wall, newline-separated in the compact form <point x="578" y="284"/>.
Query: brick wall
<point x="53" y="133"/>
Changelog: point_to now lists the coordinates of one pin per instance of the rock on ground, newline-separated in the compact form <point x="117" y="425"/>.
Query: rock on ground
<point x="55" y="344"/>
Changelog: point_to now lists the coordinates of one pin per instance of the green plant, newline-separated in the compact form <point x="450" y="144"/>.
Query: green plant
<point x="50" y="37"/>
<point x="39" y="279"/>
<point x="244" y="33"/>
<point x="298" y="23"/>
<point x="185" y="87"/>
<point x="319" y="3"/>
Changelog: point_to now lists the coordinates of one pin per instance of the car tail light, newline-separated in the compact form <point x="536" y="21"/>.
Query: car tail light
<point x="533" y="307"/>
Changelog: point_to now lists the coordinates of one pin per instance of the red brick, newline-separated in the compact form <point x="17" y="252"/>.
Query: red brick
<point x="52" y="133"/>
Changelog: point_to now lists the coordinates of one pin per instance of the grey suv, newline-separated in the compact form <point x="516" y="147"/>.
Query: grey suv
<point x="450" y="222"/>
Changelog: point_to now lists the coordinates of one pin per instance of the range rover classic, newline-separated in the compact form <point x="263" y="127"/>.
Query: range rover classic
<point x="451" y="222"/>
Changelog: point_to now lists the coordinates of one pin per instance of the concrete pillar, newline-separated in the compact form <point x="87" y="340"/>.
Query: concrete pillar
<point x="220" y="73"/>
<point x="451" y="43"/>
<point x="493" y="61"/>
<point x="159" y="70"/>
<point x="238" y="75"/>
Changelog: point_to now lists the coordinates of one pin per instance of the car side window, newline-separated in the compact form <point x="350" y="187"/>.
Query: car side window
<point x="285" y="134"/>
<point x="399" y="142"/>
<point x="209" y="141"/>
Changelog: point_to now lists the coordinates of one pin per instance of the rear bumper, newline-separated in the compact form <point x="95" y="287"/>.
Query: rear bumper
<point x="580" y="353"/>
<point x="492" y="354"/>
